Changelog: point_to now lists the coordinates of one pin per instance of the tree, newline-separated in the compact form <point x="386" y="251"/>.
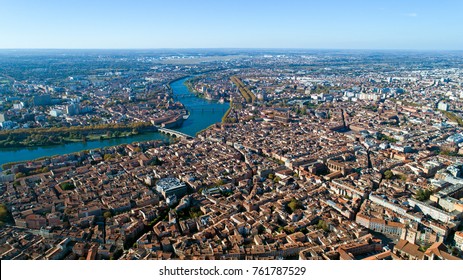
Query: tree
<point x="390" y="139"/>
<point x="19" y="175"/>
<point x="323" y="225"/>
<point x="423" y="248"/>
<point x="195" y="213"/>
<point x="67" y="186"/>
<point x="290" y="229"/>
<point x="218" y="183"/>
<point x="388" y="174"/>
<point x="294" y="204"/>
<point x="108" y="157"/>
<point x="304" y="110"/>
<point x="423" y="195"/>
<point x="107" y="215"/>
<point x="3" y="214"/>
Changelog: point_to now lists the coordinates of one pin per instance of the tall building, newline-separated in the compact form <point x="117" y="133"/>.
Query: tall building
<point x="443" y="106"/>
<point x="72" y="109"/>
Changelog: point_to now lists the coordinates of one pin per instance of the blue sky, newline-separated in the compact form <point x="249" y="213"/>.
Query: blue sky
<point x="332" y="24"/>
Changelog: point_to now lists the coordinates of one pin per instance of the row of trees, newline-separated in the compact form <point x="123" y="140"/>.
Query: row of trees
<point x="60" y="135"/>
<point x="389" y="139"/>
<point x="227" y="118"/>
<point x="31" y="140"/>
<point x="245" y="92"/>
<point x="388" y="174"/>
<point x="28" y="172"/>
<point x="453" y="117"/>
<point x="4" y="134"/>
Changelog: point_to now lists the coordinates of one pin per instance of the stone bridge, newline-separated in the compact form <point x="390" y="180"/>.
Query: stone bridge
<point x="174" y="133"/>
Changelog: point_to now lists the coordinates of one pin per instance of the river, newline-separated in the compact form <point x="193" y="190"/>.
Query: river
<point x="203" y="113"/>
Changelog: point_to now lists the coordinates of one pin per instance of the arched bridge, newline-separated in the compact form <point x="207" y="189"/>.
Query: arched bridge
<point x="202" y="110"/>
<point x="174" y="133"/>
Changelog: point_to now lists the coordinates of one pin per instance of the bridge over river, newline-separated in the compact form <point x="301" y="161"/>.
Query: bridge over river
<point x="174" y="133"/>
<point x="202" y="112"/>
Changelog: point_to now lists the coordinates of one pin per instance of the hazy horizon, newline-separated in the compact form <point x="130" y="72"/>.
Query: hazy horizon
<point x="272" y="24"/>
<point x="233" y="49"/>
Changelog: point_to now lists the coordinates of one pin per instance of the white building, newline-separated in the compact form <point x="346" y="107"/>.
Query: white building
<point x="442" y="106"/>
<point x="171" y="186"/>
<point x="56" y="113"/>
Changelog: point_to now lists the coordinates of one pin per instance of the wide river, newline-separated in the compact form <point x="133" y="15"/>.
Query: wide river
<point x="203" y="113"/>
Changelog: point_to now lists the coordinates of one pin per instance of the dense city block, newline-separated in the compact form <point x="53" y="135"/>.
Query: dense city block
<point x="322" y="155"/>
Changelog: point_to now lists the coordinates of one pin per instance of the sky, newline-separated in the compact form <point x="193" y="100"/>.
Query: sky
<point x="150" y="24"/>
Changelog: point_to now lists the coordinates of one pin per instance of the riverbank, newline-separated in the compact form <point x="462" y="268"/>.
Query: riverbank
<point x="189" y="84"/>
<point x="203" y="113"/>
<point x="175" y="80"/>
<point x="36" y="137"/>
<point x="190" y="87"/>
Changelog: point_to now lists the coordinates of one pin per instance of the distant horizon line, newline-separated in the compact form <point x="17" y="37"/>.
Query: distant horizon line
<point x="229" y="48"/>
